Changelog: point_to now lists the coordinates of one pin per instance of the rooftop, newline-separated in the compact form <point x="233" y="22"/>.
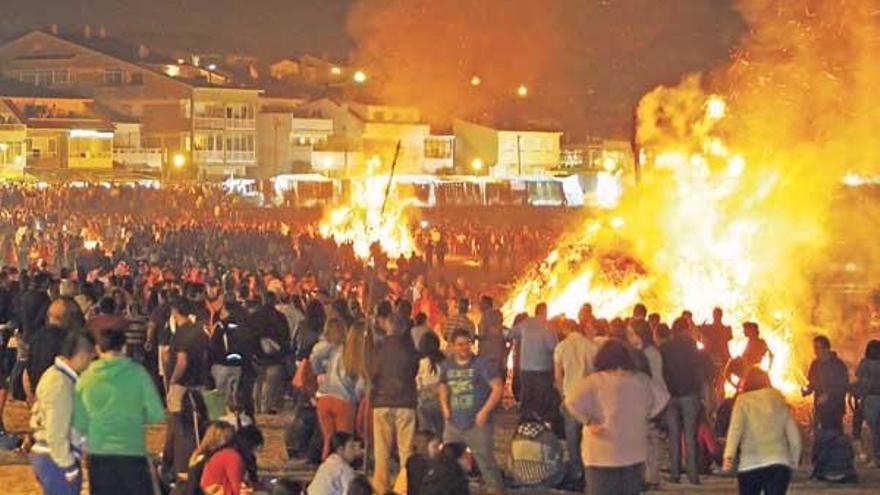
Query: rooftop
<point x="116" y="47"/>
<point x="12" y="88"/>
<point x="133" y="53"/>
<point x="516" y="125"/>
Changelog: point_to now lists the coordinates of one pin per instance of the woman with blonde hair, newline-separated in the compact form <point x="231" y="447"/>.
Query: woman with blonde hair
<point x="222" y="466"/>
<point x="357" y="348"/>
<point x="339" y="390"/>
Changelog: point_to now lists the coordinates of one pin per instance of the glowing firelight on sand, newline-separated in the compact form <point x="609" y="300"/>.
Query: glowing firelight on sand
<point x="362" y="223"/>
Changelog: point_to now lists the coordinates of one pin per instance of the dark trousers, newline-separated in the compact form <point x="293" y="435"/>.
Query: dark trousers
<point x="829" y="416"/>
<point x="871" y="408"/>
<point x="537" y="394"/>
<point x="116" y="474"/>
<point x="180" y="442"/>
<point x="682" y="415"/>
<point x="771" y="480"/>
<point x="626" y="480"/>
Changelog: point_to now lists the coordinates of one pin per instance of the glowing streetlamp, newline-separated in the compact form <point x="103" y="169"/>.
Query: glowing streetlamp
<point x="360" y="77"/>
<point x="477" y="165"/>
<point x="212" y="66"/>
<point x="476" y="81"/>
<point x="522" y="91"/>
<point x="335" y="70"/>
<point x="179" y="160"/>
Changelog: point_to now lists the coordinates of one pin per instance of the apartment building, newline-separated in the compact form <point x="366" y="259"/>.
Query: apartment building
<point x="375" y="130"/>
<point x="13" y="135"/>
<point x="41" y="130"/>
<point x="192" y="116"/>
<point x="505" y="151"/>
<point x="292" y="141"/>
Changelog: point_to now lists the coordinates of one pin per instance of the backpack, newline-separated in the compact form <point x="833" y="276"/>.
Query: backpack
<point x="535" y="454"/>
<point x="833" y="457"/>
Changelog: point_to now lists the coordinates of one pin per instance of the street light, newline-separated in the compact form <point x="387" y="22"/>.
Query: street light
<point x="477" y="165"/>
<point x="360" y="77"/>
<point x="335" y="70"/>
<point x="476" y="81"/>
<point x="522" y="91"/>
<point x="179" y="160"/>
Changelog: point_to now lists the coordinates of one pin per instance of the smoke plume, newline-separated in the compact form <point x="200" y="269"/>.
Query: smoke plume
<point x="585" y="63"/>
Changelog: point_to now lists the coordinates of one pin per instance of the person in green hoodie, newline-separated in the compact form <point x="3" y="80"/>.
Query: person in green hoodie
<point x="115" y="400"/>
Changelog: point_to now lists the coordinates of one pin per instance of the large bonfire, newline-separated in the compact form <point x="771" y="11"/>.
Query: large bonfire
<point x="367" y="219"/>
<point x="739" y="170"/>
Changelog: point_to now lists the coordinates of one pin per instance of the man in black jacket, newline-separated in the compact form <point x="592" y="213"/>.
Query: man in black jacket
<point x="828" y="381"/>
<point x="685" y="371"/>
<point x="232" y="351"/>
<point x="273" y="347"/>
<point x="33" y="305"/>
<point x="394" y="397"/>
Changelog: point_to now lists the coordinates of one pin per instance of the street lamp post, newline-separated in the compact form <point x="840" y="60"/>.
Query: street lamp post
<point x="519" y="153"/>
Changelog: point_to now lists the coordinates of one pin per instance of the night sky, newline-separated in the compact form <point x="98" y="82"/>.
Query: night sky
<point x="613" y="51"/>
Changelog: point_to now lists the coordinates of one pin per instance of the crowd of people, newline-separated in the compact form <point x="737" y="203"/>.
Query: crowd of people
<point x="119" y="311"/>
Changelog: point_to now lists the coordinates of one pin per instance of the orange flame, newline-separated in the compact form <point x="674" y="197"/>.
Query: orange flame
<point x="690" y="237"/>
<point x="362" y="223"/>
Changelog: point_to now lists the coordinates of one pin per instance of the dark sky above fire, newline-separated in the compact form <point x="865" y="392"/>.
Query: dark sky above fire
<point x="585" y="62"/>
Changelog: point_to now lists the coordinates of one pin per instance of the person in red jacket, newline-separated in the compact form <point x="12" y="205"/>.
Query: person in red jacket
<point x="224" y="470"/>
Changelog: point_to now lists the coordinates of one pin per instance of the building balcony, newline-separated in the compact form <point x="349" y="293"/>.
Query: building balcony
<point x="221" y="123"/>
<point x="218" y="123"/>
<point x="241" y="156"/>
<point x="311" y="127"/>
<point x="12" y="127"/>
<point x="208" y="156"/>
<point x="138" y="157"/>
<point x="241" y="124"/>
<point x="221" y="156"/>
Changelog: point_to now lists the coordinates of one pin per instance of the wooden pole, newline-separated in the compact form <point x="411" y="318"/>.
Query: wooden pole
<point x="390" y="178"/>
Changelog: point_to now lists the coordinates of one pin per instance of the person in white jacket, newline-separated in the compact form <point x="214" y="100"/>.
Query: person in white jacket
<point x="763" y="441"/>
<point x="55" y="455"/>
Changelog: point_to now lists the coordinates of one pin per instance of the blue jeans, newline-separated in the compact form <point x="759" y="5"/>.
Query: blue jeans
<point x="682" y="413"/>
<point x="481" y="443"/>
<point x="573" y="434"/>
<point x="429" y="416"/>
<point x="270" y="382"/>
<point x="51" y="476"/>
<point x="871" y="410"/>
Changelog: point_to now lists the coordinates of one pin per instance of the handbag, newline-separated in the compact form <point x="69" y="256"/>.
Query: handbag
<point x="305" y="379"/>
